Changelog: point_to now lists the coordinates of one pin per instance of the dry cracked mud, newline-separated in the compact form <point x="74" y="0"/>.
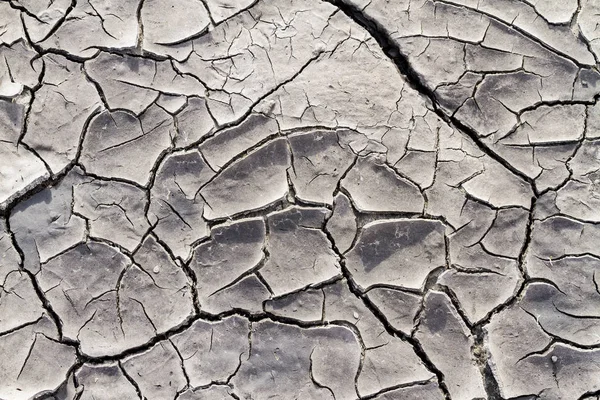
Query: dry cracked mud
<point x="299" y="199"/>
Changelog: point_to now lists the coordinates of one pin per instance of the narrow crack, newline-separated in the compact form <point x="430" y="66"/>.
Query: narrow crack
<point x="131" y="381"/>
<point x="415" y="344"/>
<point x="36" y="286"/>
<point x="393" y="52"/>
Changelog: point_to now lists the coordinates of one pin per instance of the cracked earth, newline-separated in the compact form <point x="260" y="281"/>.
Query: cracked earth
<point x="299" y="199"/>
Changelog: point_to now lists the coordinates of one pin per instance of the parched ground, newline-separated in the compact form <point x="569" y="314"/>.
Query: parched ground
<point x="299" y="199"/>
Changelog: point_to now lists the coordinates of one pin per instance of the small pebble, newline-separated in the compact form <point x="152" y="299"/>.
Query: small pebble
<point x="319" y="48"/>
<point x="355" y="315"/>
<point x="554" y="359"/>
<point x="156" y="269"/>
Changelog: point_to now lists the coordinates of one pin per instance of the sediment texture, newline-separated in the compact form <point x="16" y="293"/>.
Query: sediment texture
<point x="299" y="199"/>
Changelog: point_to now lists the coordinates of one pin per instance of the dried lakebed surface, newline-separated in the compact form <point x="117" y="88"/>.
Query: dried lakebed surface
<point x="299" y="199"/>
